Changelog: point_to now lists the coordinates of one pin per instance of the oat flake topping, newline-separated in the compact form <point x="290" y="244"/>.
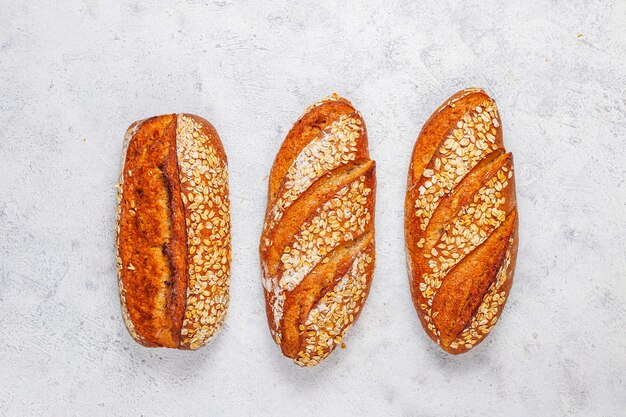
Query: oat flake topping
<point x="335" y="147"/>
<point x="334" y="314"/>
<point x="341" y="219"/>
<point x="473" y="138"/>
<point x="204" y="191"/>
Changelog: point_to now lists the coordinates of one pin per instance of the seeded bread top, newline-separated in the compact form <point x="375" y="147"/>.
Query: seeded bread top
<point x="461" y="221"/>
<point x="317" y="245"/>
<point x="173" y="232"/>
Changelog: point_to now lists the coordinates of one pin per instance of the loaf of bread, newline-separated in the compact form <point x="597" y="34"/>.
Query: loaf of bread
<point x="461" y="221"/>
<point x="173" y="232"/>
<point x="317" y="245"/>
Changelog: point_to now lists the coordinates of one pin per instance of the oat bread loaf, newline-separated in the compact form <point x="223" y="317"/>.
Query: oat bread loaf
<point x="317" y="245"/>
<point x="461" y="221"/>
<point x="173" y="232"/>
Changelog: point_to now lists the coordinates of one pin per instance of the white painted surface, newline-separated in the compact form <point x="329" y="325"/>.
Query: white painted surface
<point x="74" y="75"/>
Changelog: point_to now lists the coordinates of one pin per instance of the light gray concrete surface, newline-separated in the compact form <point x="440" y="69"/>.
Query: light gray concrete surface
<point x="74" y="75"/>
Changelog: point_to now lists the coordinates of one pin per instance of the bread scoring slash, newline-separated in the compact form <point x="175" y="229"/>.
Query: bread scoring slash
<point x="317" y="245"/>
<point x="173" y="232"/>
<point x="461" y="223"/>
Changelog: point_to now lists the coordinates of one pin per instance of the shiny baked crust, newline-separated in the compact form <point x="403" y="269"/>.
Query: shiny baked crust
<point x="173" y="232"/>
<point x="461" y="221"/>
<point x="317" y="246"/>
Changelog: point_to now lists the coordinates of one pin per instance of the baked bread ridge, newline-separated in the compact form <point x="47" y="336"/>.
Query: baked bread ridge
<point x="173" y="232"/>
<point x="317" y="246"/>
<point x="461" y="225"/>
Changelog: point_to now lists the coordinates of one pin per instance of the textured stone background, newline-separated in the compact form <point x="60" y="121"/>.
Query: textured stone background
<point x="74" y="75"/>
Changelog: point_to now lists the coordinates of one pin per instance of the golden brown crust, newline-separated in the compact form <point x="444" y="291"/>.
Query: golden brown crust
<point x="313" y="287"/>
<point x="158" y="221"/>
<point x="461" y="221"/>
<point x="307" y="128"/>
<point x="148" y="246"/>
<point x="303" y="209"/>
<point x="317" y="246"/>
<point x="458" y="297"/>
